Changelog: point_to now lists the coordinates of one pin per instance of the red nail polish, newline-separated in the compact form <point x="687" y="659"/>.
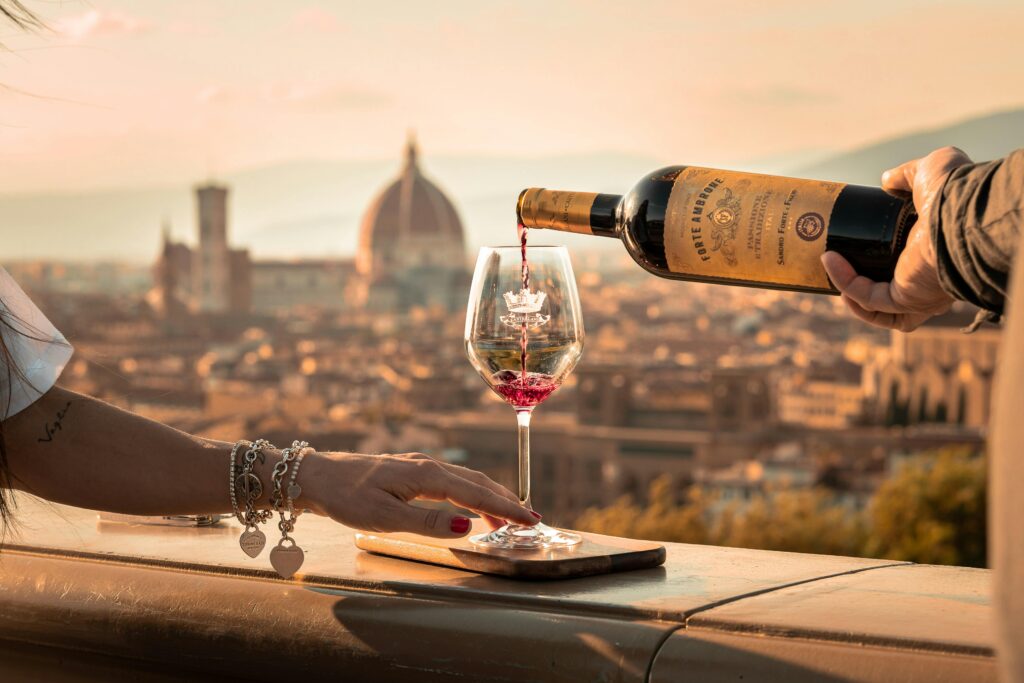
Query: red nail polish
<point x="536" y="514"/>
<point x="460" y="525"/>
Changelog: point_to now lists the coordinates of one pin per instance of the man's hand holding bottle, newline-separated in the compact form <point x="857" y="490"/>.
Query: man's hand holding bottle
<point x="914" y="294"/>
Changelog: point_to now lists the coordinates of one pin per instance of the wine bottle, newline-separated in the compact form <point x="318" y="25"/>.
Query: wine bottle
<point x="729" y="227"/>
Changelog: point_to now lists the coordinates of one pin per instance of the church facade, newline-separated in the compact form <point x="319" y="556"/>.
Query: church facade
<point x="938" y="374"/>
<point x="411" y="252"/>
<point x="411" y="245"/>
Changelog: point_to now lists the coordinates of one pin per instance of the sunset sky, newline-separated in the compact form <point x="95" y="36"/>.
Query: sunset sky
<point x="142" y="92"/>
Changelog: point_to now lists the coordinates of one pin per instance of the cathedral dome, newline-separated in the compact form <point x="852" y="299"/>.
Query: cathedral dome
<point x="410" y="223"/>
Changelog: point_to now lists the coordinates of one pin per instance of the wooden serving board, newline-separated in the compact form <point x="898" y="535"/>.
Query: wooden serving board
<point x="596" y="554"/>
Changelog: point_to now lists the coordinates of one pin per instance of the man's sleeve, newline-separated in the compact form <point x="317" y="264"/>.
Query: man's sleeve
<point x="975" y="225"/>
<point x="36" y="350"/>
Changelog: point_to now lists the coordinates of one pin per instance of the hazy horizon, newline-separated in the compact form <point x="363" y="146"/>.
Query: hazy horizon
<point x="147" y="93"/>
<point x="313" y="208"/>
<point x="779" y="161"/>
<point x="109" y="118"/>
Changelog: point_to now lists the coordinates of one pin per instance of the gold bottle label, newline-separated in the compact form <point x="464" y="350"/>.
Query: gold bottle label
<point x="557" y="210"/>
<point x="748" y="226"/>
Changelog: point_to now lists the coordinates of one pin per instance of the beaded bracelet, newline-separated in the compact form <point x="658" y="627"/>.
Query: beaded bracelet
<point x="232" y="473"/>
<point x="294" y="490"/>
<point x="280" y="469"/>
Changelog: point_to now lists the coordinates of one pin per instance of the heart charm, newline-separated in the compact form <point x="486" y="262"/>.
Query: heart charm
<point x="252" y="542"/>
<point x="294" y="491"/>
<point x="286" y="561"/>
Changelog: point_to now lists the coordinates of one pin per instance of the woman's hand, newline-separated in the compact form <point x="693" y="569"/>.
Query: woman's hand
<point x="372" y="493"/>
<point x="914" y="295"/>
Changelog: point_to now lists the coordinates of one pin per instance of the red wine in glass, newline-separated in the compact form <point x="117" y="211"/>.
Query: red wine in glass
<point x="524" y="343"/>
<point x="524" y="389"/>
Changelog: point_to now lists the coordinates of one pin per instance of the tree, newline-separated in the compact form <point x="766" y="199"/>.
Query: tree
<point x="797" y="520"/>
<point x="800" y="520"/>
<point x="661" y="520"/>
<point x="932" y="510"/>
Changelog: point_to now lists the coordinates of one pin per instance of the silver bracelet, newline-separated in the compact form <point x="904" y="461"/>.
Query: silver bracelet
<point x="287" y="560"/>
<point x="232" y="473"/>
<point x="294" y="490"/>
<point x="280" y="469"/>
<point x="252" y="540"/>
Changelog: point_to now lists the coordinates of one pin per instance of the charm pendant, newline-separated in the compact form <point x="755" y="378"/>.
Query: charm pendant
<point x="286" y="561"/>
<point x="294" y="491"/>
<point x="252" y="542"/>
<point x="250" y="486"/>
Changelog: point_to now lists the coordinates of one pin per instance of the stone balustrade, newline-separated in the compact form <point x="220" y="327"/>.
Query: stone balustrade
<point x="82" y="600"/>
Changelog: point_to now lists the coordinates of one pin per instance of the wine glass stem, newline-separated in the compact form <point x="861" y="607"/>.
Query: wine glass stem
<point x="523" y="418"/>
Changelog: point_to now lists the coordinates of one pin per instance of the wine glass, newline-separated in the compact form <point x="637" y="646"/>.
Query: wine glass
<point x="524" y="335"/>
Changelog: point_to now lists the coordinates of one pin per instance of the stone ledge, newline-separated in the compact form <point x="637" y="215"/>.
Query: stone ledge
<point x="168" y="599"/>
<point x="914" y="607"/>
<point x="708" y="656"/>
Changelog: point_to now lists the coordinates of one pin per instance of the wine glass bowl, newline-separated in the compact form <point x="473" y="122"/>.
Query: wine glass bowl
<point x="524" y="341"/>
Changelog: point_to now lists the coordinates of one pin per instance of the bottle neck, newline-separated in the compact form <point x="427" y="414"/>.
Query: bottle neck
<point x="586" y="213"/>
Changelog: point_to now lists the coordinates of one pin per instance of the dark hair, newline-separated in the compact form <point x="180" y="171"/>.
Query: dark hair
<point x="11" y="370"/>
<point x="12" y="327"/>
<point x="21" y="17"/>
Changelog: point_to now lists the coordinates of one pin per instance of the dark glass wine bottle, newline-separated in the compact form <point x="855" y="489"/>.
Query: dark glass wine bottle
<point x="728" y="227"/>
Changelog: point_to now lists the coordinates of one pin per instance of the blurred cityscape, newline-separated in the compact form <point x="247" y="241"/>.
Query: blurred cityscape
<point x="731" y="389"/>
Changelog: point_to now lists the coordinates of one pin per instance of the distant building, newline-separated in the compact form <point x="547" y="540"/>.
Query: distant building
<point x="213" y="260"/>
<point x="411" y="253"/>
<point x="284" y="285"/>
<point x="411" y="245"/>
<point x="936" y="374"/>
<point x="213" y="278"/>
<point x="822" y="397"/>
<point x="784" y="466"/>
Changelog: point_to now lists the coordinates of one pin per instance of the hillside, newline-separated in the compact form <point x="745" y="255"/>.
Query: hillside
<point x="313" y="208"/>
<point x="985" y="137"/>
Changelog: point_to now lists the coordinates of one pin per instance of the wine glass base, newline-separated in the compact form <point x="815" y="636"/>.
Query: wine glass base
<point x="519" y="537"/>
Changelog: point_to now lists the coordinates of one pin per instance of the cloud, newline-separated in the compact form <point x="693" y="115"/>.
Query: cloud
<point x="188" y="28"/>
<point x="305" y="94"/>
<point x="216" y="94"/>
<point x="339" y="95"/>
<point x="316" y="19"/>
<point x="96" y="22"/>
<point x="778" y="96"/>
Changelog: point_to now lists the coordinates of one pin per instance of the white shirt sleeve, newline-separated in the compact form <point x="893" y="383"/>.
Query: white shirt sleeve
<point x="37" y="349"/>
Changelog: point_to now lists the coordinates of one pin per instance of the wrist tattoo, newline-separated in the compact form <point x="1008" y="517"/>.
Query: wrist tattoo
<point x="54" y="427"/>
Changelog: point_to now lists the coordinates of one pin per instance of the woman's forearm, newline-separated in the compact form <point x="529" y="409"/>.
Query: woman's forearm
<point x="80" y="451"/>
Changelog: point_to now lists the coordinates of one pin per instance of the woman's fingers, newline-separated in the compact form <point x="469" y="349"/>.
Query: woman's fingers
<point x="394" y="515"/>
<point x="435" y="481"/>
<point x="473" y="476"/>
<point x="374" y="491"/>
<point x="466" y="473"/>
<point x="494" y="522"/>
<point x="482" y="479"/>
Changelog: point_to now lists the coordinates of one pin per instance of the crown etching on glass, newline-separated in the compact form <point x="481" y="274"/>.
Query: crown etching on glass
<point x="524" y="307"/>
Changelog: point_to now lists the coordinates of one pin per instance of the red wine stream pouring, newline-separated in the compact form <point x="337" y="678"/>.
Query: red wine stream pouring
<point x="523" y="231"/>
